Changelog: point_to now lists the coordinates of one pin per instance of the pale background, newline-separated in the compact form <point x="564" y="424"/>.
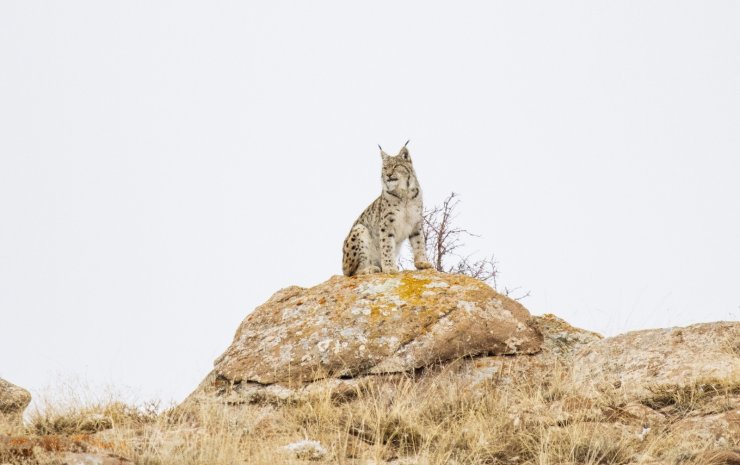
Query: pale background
<point x="166" y="166"/>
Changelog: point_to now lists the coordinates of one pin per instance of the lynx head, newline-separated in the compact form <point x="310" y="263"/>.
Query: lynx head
<point x="398" y="176"/>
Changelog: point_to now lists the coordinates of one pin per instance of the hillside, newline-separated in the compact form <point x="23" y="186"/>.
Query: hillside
<point x="417" y="368"/>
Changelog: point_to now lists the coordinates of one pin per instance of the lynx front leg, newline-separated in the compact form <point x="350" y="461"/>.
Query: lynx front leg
<point x="417" y="245"/>
<point x="388" y="261"/>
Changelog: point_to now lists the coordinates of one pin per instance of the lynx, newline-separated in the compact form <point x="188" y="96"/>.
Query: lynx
<point x="373" y="243"/>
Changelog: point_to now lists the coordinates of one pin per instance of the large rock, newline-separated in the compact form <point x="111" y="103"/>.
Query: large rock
<point x="560" y="342"/>
<point x="13" y="400"/>
<point x="374" y="324"/>
<point x="643" y="364"/>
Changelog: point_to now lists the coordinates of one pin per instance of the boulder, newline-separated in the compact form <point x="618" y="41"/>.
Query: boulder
<point x="13" y="401"/>
<point x="560" y="338"/>
<point x="306" y="449"/>
<point x="560" y="342"/>
<point x="649" y="363"/>
<point x="370" y="325"/>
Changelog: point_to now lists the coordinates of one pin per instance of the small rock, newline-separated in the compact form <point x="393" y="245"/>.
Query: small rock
<point x="13" y="401"/>
<point x="307" y="449"/>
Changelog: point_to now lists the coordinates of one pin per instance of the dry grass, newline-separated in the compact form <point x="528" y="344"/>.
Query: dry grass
<point x="443" y="421"/>
<point x="682" y="400"/>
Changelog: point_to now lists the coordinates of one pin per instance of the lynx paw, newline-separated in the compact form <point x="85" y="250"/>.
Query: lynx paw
<point x="369" y="270"/>
<point x="425" y="265"/>
<point x="390" y="270"/>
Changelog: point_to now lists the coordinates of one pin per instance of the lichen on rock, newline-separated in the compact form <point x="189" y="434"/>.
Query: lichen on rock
<point x="373" y="324"/>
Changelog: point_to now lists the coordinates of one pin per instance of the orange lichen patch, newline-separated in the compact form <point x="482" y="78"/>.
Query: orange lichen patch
<point x="93" y="441"/>
<point x="412" y="308"/>
<point x="375" y="311"/>
<point x="51" y="443"/>
<point x="15" y="447"/>
<point x="411" y="288"/>
<point x="24" y="446"/>
<point x="81" y="437"/>
<point x="19" y="442"/>
<point x="416" y="311"/>
<point x="54" y="443"/>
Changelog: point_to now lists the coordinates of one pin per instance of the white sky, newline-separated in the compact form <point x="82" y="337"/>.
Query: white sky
<point x="166" y="166"/>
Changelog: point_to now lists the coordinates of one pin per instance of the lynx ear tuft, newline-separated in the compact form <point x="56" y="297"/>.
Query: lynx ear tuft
<point x="404" y="153"/>
<point x="382" y="153"/>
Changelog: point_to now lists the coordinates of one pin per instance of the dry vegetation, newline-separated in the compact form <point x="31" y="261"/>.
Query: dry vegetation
<point x="446" y="241"/>
<point x="442" y="421"/>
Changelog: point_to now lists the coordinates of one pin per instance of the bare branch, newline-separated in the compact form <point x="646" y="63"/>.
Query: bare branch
<point x="444" y="239"/>
<point x="510" y="293"/>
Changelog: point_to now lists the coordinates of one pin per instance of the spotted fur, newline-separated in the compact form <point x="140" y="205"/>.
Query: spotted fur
<point x="373" y="243"/>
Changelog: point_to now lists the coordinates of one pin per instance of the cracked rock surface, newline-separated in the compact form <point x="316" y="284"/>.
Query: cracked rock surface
<point x="374" y="324"/>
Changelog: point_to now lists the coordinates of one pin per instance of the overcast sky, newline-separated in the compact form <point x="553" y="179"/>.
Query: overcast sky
<point x="165" y="166"/>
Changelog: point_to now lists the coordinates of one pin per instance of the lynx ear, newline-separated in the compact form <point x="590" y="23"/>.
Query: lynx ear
<point x="404" y="153"/>
<point x="382" y="153"/>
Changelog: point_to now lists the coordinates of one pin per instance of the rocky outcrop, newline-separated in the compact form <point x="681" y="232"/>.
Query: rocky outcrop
<point x="654" y="396"/>
<point x="561" y="340"/>
<point x="465" y="310"/>
<point x="423" y="367"/>
<point x="640" y="364"/>
<point x="13" y="401"/>
<point x="374" y="324"/>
